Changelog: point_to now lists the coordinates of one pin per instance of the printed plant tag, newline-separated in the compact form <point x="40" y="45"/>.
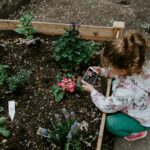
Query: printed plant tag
<point x="43" y="132"/>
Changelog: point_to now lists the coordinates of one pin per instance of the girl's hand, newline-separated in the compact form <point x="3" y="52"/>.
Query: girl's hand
<point x="97" y="69"/>
<point x="87" y="87"/>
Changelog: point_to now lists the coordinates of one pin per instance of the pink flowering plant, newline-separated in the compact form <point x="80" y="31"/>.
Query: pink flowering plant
<point x="65" y="85"/>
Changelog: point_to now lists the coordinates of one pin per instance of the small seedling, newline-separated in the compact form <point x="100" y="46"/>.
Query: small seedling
<point x="25" y="27"/>
<point x="3" y="130"/>
<point x="18" y="80"/>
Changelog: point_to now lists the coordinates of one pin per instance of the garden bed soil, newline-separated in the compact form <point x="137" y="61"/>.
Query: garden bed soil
<point x="35" y="104"/>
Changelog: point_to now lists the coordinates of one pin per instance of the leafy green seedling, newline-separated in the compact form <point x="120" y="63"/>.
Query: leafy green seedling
<point x="18" y="80"/>
<point x="3" y="130"/>
<point x="25" y="27"/>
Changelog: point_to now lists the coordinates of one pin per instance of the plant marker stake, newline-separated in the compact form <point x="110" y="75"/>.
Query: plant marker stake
<point x="11" y="109"/>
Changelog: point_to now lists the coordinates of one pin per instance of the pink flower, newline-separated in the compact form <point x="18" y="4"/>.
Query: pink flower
<point x="62" y="85"/>
<point x="59" y="84"/>
<point x="67" y="85"/>
<point x="71" y="86"/>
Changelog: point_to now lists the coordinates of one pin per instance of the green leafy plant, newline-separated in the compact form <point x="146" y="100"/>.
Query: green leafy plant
<point x="65" y="133"/>
<point x="3" y="74"/>
<point x="3" y="130"/>
<point x="25" y="27"/>
<point x="66" y="84"/>
<point x="16" y="81"/>
<point x="71" y="52"/>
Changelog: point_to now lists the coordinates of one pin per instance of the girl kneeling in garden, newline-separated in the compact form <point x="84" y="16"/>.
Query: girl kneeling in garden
<point x="129" y="104"/>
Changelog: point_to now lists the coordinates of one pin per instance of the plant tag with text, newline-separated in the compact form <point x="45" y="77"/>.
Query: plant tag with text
<point x="43" y="132"/>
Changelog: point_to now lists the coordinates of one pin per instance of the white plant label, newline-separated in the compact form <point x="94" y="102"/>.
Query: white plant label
<point x="11" y="109"/>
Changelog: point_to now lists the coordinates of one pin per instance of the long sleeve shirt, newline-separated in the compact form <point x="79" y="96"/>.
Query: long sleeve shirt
<point x="130" y="95"/>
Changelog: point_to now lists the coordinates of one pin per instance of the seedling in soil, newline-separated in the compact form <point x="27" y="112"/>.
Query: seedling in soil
<point x="15" y="81"/>
<point x="18" y="80"/>
<point x="25" y="28"/>
<point x="3" y="130"/>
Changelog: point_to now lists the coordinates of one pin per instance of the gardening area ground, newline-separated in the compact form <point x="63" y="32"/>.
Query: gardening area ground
<point x="35" y="103"/>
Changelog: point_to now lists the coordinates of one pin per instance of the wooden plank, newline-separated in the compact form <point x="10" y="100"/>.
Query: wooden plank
<point x="102" y="125"/>
<point x="86" y="32"/>
<point x="8" y="24"/>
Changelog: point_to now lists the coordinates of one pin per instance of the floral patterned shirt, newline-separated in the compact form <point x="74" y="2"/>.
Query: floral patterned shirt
<point x="130" y="95"/>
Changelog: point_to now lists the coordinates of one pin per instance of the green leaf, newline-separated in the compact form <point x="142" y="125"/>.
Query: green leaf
<point x="59" y="96"/>
<point x="53" y="124"/>
<point x="20" y="30"/>
<point x="69" y="75"/>
<point x="1" y="109"/>
<point x="57" y="90"/>
<point x="58" y="78"/>
<point x="4" y="132"/>
<point x="67" y="146"/>
<point x="3" y="120"/>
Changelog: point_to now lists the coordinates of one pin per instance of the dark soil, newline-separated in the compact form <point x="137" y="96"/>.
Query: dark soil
<point x="35" y="104"/>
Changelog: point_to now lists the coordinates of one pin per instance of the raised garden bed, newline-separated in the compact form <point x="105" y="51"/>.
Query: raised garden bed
<point x="35" y="104"/>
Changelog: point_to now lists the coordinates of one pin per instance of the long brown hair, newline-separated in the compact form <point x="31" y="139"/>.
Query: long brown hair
<point x="126" y="53"/>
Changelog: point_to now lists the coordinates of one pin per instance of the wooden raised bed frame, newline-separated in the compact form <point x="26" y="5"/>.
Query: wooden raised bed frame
<point x="97" y="33"/>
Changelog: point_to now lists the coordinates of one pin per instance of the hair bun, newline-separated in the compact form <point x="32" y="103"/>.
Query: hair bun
<point x="137" y="39"/>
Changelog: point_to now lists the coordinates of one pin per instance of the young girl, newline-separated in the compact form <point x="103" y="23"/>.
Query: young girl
<point x="129" y="103"/>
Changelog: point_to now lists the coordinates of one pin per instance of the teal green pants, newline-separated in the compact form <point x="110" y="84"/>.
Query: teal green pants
<point x="123" y="125"/>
